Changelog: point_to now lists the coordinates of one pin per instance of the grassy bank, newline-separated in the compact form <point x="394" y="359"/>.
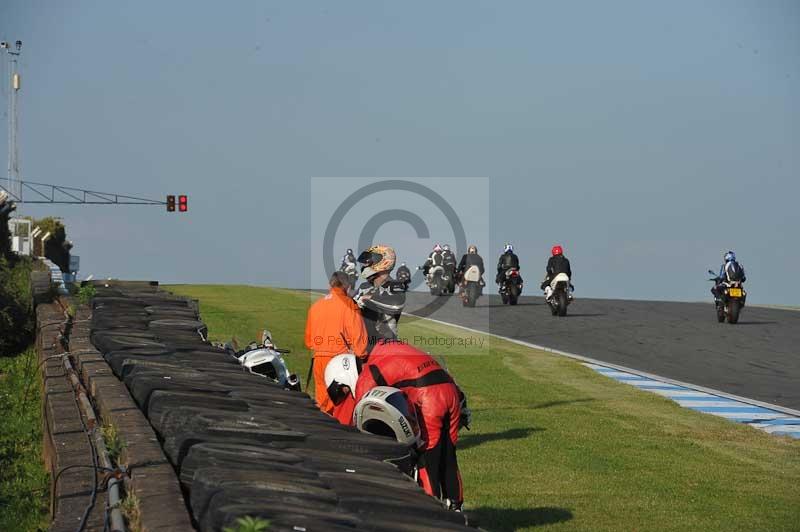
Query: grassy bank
<point x="553" y="443"/>
<point x="24" y="482"/>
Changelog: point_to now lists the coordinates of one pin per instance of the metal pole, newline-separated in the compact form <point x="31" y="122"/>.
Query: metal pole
<point x="14" y="85"/>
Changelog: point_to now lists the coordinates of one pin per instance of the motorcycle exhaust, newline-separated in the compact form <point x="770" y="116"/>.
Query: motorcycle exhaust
<point x="293" y="382"/>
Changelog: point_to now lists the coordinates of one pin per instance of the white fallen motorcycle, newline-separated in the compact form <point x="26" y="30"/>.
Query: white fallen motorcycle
<point x="558" y="294"/>
<point x="266" y="360"/>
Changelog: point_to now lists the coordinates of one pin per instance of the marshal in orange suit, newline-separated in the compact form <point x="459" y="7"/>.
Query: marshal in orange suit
<point x="334" y="326"/>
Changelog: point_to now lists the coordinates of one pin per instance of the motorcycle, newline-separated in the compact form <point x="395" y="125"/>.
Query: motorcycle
<point x="557" y="294"/>
<point x="730" y="299"/>
<point x="471" y="286"/>
<point x="265" y="360"/>
<point x="437" y="280"/>
<point x="352" y="275"/>
<point x="511" y="287"/>
<point x="450" y="273"/>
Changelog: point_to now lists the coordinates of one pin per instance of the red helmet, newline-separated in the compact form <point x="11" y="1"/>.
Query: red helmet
<point x="557" y="250"/>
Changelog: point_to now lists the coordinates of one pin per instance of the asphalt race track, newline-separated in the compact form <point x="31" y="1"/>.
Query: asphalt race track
<point x="758" y="358"/>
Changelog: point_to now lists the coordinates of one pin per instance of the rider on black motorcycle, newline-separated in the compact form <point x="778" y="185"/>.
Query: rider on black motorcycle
<point x="507" y="261"/>
<point x="557" y="263"/>
<point x="403" y="274"/>
<point x="436" y="258"/>
<point x="348" y="261"/>
<point x="730" y="271"/>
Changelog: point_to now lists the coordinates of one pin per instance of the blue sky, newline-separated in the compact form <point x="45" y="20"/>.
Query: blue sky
<point x="645" y="137"/>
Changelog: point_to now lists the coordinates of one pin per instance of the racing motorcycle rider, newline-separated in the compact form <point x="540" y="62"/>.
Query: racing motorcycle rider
<point x="441" y="407"/>
<point x="469" y="259"/>
<point x="730" y="271"/>
<point x="507" y="261"/>
<point x="557" y="263"/>
<point x="404" y="274"/>
<point x="348" y="262"/>
<point x="436" y="258"/>
<point x="380" y="298"/>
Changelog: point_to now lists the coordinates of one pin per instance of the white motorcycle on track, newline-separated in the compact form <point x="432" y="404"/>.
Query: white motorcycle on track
<point x="471" y="286"/>
<point x="558" y="294"/>
<point x="266" y="360"/>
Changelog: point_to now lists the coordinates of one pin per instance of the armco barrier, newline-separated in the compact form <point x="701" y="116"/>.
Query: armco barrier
<point x="240" y="445"/>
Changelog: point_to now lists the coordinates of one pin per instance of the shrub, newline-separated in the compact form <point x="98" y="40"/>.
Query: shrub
<point x="86" y="293"/>
<point x="56" y="248"/>
<point x="16" y="306"/>
<point x="248" y="524"/>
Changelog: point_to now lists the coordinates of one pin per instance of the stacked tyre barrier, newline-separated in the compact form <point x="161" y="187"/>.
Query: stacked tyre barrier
<point x="243" y="446"/>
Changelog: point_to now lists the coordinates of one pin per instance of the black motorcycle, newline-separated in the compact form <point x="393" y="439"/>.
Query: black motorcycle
<point x="729" y="300"/>
<point x="437" y="280"/>
<point x="511" y="286"/>
<point x="450" y="274"/>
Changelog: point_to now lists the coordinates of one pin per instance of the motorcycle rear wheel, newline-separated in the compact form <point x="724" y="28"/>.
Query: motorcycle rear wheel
<point x="561" y="299"/>
<point x="733" y="311"/>
<point x="471" y="295"/>
<point x="513" y="294"/>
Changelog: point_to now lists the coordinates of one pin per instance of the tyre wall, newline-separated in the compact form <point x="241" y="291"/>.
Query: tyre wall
<point x="240" y="445"/>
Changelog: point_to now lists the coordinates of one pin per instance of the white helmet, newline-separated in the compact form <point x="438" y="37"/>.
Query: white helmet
<point x="342" y="370"/>
<point x="508" y="248"/>
<point x="446" y="247"/>
<point x="385" y="411"/>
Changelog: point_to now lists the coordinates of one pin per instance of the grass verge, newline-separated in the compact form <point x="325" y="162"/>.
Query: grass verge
<point x="24" y="485"/>
<point x="554" y="444"/>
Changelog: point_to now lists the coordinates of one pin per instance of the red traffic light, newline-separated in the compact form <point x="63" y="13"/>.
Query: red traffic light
<point x="183" y="203"/>
<point x="170" y="203"/>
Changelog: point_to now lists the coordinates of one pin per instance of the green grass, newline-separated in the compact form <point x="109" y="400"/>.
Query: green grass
<point x="24" y="484"/>
<point x="555" y="445"/>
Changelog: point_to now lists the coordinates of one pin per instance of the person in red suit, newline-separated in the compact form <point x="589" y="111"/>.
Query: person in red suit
<point x="429" y="388"/>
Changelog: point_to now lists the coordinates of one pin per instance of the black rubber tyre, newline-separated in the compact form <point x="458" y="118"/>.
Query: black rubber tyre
<point x="283" y="514"/>
<point x="561" y="302"/>
<point x="208" y="481"/>
<point x="472" y="292"/>
<point x="720" y="314"/>
<point x="733" y="311"/>
<point x="177" y="324"/>
<point x="105" y="342"/>
<point x="504" y="298"/>
<point x="162" y="401"/>
<point x="205" y="454"/>
<point x="142" y="385"/>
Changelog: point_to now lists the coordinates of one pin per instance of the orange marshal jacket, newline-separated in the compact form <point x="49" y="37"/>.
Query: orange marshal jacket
<point x="335" y="326"/>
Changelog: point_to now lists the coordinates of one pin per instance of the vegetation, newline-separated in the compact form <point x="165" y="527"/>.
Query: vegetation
<point x="131" y="511"/>
<point x="248" y="524"/>
<point x="57" y="247"/>
<point x="86" y="293"/>
<point x="16" y="306"/>
<point x="24" y="482"/>
<point x="554" y="443"/>
<point x="113" y="441"/>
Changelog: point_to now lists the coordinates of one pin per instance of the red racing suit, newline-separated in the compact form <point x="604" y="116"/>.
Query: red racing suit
<point x="438" y="403"/>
